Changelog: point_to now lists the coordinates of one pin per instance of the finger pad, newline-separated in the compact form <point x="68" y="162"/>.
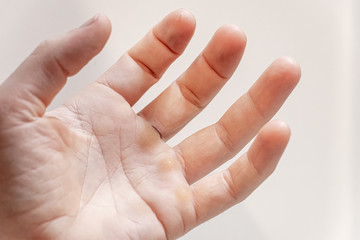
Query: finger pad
<point x="268" y="146"/>
<point x="176" y="30"/>
<point x="288" y="69"/>
<point x="225" y="49"/>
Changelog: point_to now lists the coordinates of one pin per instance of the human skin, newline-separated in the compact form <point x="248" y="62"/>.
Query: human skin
<point x="95" y="169"/>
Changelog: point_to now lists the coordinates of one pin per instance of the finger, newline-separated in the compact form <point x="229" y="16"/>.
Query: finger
<point x="144" y="64"/>
<point x="31" y="88"/>
<point x="187" y="96"/>
<point x="214" y="194"/>
<point x="210" y="147"/>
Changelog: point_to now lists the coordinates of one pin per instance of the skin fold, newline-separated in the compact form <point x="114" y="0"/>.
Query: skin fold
<point x="95" y="169"/>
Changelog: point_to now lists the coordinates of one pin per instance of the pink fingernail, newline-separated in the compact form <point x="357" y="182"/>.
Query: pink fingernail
<point x="90" y="21"/>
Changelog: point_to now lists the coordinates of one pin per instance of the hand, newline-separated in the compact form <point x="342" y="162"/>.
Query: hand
<point x="95" y="169"/>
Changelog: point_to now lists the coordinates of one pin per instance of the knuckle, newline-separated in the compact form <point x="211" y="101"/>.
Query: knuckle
<point x="44" y="48"/>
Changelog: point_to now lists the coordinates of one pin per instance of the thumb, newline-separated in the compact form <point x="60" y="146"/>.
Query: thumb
<point x="32" y="87"/>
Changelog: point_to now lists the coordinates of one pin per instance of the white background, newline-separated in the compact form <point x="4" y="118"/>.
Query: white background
<point x="314" y="193"/>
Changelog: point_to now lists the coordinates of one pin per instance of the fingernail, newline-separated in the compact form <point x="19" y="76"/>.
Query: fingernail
<point x="90" y="21"/>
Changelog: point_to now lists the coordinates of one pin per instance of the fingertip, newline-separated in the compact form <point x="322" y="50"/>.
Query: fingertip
<point x="288" y="68"/>
<point x="100" y="28"/>
<point x="99" y="20"/>
<point x="269" y="146"/>
<point x="176" y="29"/>
<point x="105" y="24"/>
<point x="276" y="83"/>
<point x="275" y="134"/>
<point x="233" y="36"/>
<point x="225" y="49"/>
<point x="85" y="42"/>
<point x="186" y="19"/>
<point x="77" y="47"/>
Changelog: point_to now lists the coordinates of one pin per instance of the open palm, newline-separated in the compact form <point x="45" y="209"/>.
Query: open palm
<point x="95" y="169"/>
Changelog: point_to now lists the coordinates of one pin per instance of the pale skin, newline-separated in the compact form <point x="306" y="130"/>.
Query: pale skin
<point x="95" y="169"/>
